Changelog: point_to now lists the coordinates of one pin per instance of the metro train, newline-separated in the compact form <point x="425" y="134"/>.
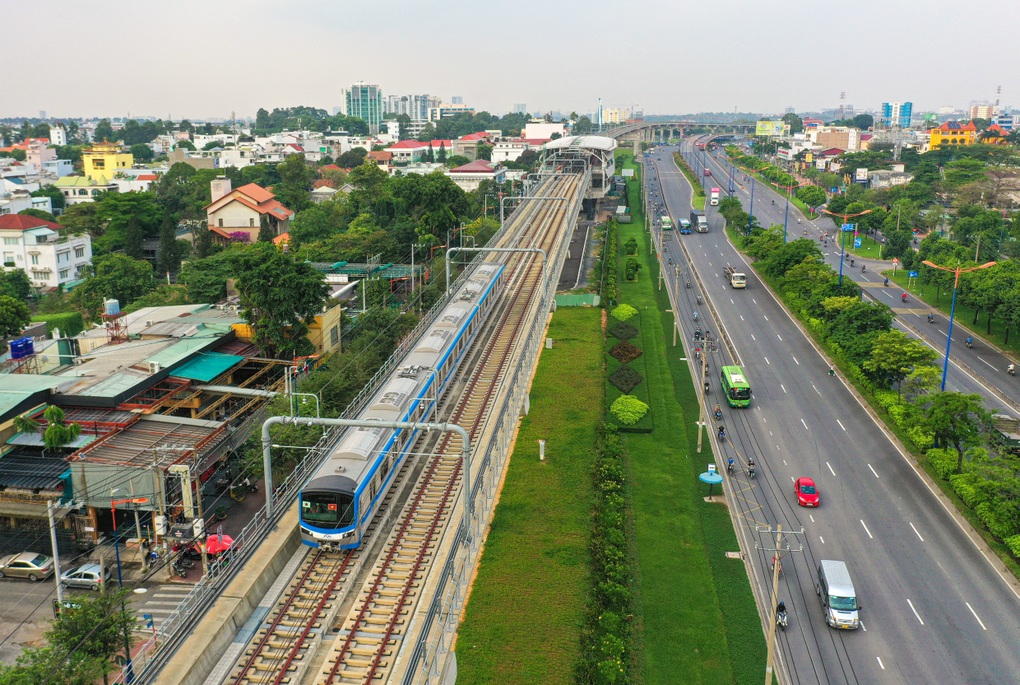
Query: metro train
<point x="339" y="500"/>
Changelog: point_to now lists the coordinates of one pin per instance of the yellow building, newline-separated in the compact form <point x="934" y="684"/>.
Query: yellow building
<point x="104" y="160"/>
<point x="952" y="133"/>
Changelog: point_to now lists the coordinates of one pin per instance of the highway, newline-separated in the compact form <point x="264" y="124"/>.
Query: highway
<point x="934" y="610"/>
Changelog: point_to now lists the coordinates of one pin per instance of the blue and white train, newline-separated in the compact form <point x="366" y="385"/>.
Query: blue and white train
<point x="338" y="502"/>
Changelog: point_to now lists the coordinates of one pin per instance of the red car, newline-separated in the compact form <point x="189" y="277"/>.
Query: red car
<point x="807" y="493"/>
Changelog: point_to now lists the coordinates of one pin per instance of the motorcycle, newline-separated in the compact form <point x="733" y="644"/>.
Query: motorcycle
<point x="722" y="434"/>
<point x="180" y="570"/>
<point x="864" y="267"/>
<point x="903" y="297"/>
<point x="782" y="619"/>
<point x="931" y="318"/>
<point x="774" y="562"/>
<point x="729" y="467"/>
<point x="969" y="342"/>
<point x="1011" y="370"/>
<point x="718" y="414"/>
<point x="184" y="562"/>
<point x="886" y="283"/>
<point x="698" y="299"/>
<point x="750" y="470"/>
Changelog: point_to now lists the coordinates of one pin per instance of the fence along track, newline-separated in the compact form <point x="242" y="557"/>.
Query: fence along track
<point x="366" y="649"/>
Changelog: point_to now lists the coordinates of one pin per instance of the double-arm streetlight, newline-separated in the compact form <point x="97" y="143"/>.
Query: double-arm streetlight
<point x="956" y="271"/>
<point x="130" y="676"/>
<point x="842" y="238"/>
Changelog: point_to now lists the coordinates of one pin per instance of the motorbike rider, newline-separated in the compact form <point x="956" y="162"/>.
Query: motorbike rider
<point x="722" y="432"/>
<point x="1011" y="369"/>
<point x="970" y="342"/>
<point x="886" y="283"/>
<point x="717" y="410"/>
<point x="729" y="465"/>
<point x="931" y="318"/>
<point x="864" y="267"/>
<point x="903" y="297"/>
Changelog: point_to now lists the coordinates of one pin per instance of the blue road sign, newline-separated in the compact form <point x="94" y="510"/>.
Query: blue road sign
<point x="912" y="274"/>
<point x="857" y="242"/>
<point x="847" y="227"/>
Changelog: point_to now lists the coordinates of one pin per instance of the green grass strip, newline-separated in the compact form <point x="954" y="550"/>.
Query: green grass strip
<point x="522" y="624"/>
<point x="692" y="603"/>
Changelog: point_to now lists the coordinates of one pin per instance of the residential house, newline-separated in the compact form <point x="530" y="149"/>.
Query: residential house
<point x="104" y="160"/>
<point x="79" y="189"/>
<point x="322" y="191"/>
<point x="239" y="211"/>
<point x="39" y="153"/>
<point x="952" y="133"/>
<point x="410" y="151"/>
<point x="59" y="167"/>
<point x="470" y="176"/>
<point x="38" y="247"/>
<point x="382" y="158"/>
<point x="993" y="135"/>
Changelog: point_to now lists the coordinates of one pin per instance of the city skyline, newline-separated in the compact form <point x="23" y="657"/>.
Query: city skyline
<point x="179" y="70"/>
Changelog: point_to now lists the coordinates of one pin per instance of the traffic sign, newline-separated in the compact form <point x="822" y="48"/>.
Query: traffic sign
<point x="847" y="227"/>
<point x="857" y="242"/>
<point x="895" y="260"/>
<point x="912" y="274"/>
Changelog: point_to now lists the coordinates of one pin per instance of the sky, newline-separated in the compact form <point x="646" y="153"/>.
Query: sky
<point x="205" y="59"/>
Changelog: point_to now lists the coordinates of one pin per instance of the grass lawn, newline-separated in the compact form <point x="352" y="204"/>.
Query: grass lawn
<point x="698" y="201"/>
<point x="523" y="621"/>
<point x="696" y="621"/>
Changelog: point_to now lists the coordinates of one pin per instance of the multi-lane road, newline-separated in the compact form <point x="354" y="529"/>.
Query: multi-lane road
<point x="934" y="608"/>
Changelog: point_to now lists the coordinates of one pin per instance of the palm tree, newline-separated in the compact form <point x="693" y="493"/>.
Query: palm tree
<point x="57" y="433"/>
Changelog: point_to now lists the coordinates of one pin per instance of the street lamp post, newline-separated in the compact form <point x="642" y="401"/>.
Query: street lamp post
<point x="750" y="214"/>
<point x="128" y="671"/>
<point x="952" y="309"/>
<point x="786" y="216"/>
<point x="842" y="237"/>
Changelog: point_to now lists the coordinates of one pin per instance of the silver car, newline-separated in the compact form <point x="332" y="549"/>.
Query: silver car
<point x="87" y="576"/>
<point x="26" y="565"/>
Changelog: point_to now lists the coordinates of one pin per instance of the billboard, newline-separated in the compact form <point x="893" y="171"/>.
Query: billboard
<point x="861" y="176"/>
<point x="770" y="128"/>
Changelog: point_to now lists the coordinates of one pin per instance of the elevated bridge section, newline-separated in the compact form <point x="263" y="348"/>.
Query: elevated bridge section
<point x="661" y="131"/>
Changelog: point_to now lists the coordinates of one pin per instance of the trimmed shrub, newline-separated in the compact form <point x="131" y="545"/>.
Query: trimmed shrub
<point x="631" y="269"/>
<point x="625" y="353"/>
<point x="630" y="247"/>
<point x="623" y="331"/>
<point x="628" y="409"/>
<point x="70" y="324"/>
<point x="625" y="379"/>
<point x="1013" y="542"/>
<point x="623" y="312"/>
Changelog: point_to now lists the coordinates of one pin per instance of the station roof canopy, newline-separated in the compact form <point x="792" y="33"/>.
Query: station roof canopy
<point x="591" y="142"/>
<point x="207" y="366"/>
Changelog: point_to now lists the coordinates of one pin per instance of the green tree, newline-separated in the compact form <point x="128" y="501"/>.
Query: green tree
<point x="316" y="223"/>
<point x="404" y="122"/>
<point x="427" y="133"/>
<point x="279" y="298"/>
<point x="206" y="278"/>
<point x="142" y="152"/>
<point x="14" y="316"/>
<point x="53" y="666"/>
<point x="56" y="197"/>
<point x="100" y="626"/>
<point x="957" y="419"/>
<point x="895" y="356"/>
<point x="38" y="214"/>
<point x="17" y="154"/>
<point x="812" y="196"/>
<point x="795" y="123"/>
<point x="295" y="182"/>
<point x="104" y="132"/>
<point x="127" y="219"/>
<point x="15" y="283"/>
<point x="430" y="156"/>
<point x="353" y="158"/>
<point x="441" y="157"/>
<point x="265" y="231"/>
<point x="168" y="254"/>
<point x="114" y="276"/>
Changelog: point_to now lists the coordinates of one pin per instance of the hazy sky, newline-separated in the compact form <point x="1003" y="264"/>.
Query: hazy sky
<point x="191" y="58"/>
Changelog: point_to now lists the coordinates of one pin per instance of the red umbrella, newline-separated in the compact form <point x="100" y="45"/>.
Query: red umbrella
<point x="215" y="544"/>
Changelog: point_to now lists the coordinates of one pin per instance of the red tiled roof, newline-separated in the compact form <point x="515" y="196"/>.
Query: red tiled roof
<point x="148" y="177"/>
<point x="256" y="192"/>
<point x="329" y="167"/>
<point x="295" y="146"/>
<point x="480" y="135"/>
<point x="21" y="222"/>
<point x="380" y="155"/>
<point x="407" y="145"/>
<point x="536" y="142"/>
<point x="831" y="152"/>
<point x="282" y="238"/>
<point x="323" y="182"/>
<point x="957" y="126"/>
<point x="479" y="166"/>
<point x="997" y="130"/>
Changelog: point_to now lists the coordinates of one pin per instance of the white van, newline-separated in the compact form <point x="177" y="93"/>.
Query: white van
<point x="837" y="595"/>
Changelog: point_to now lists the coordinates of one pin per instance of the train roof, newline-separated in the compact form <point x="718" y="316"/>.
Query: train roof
<point x="394" y="397"/>
<point x="332" y="483"/>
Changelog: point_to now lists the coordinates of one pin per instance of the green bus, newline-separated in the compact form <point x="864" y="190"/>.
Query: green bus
<point x="735" y="386"/>
<point x="666" y="222"/>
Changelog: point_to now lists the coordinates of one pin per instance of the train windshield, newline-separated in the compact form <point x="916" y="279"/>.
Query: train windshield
<point x="328" y="509"/>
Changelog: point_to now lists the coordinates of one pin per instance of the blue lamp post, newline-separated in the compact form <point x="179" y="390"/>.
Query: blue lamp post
<point x="786" y="216"/>
<point x="731" y="188"/>
<point x="844" y="228"/>
<point x="129" y="675"/>
<point x="750" y="214"/>
<point x="952" y="309"/>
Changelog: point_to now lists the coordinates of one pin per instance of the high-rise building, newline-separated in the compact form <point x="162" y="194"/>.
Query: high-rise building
<point x="457" y="100"/>
<point x="982" y="111"/>
<point x="521" y="108"/>
<point x="414" y="106"/>
<point x="365" y="102"/>
<point x="897" y="114"/>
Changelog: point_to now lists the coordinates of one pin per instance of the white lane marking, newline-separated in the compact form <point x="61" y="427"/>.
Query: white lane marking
<point x="795" y="359"/>
<point x="984" y="362"/>
<point x="841" y="425"/>
<point x="915" y="612"/>
<point x="752" y="335"/>
<point x="784" y="462"/>
<point x="780" y="337"/>
<point x="811" y="517"/>
<point x="783" y="387"/>
<point x="872" y="470"/>
<point x="754" y="300"/>
<point x="980" y="622"/>
<point x="767" y="361"/>
<point x="791" y="477"/>
<point x="881" y="665"/>
<point x="816" y="389"/>
<point x="822" y="539"/>
<point x="741" y="317"/>
<point x="830" y="468"/>
<point x="867" y="531"/>
<point x="866" y="630"/>
<point x="765" y="317"/>
<point x="731" y="301"/>
<point x="916" y="533"/>
<point x="805" y="424"/>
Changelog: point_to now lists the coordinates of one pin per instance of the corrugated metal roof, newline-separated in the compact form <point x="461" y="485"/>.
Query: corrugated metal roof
<point x="207" y="366"/>
<point x="31" y="470"/>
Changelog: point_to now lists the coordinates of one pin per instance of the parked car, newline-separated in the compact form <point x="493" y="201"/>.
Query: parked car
<point x="807" y="493"/>
<point x="26" y="565"/>
<point x="88" y="576"/>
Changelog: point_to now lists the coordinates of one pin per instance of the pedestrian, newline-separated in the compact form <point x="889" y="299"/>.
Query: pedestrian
<point x="832" y="371"/>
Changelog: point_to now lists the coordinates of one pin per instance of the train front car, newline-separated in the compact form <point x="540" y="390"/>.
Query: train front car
<point x="330" y="507"/>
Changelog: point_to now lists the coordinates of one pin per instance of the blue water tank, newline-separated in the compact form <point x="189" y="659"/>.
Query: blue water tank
<point x="111" y="307"/>
<point x="29" y="346"/>
<point x="18" y="348"/>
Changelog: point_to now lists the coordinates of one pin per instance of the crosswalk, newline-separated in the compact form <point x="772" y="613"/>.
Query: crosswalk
<point x="159" y="602"/>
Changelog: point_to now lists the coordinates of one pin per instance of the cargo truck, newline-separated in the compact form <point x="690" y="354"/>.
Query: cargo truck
<point x="1007" y="432"/>
<point x="698" y="221"/>
<point x="713" y="198"/>
<point x="736" y="278"/>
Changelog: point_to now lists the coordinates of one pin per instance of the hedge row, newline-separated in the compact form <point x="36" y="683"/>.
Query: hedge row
<point x="70" y="324"/>
<point x="605" y="637"/>
<point x="606" y="267"/>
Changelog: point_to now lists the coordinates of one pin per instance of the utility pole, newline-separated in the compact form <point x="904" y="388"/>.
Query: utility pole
<point x="777" y="555"/>
<point x="56" y="552"/>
